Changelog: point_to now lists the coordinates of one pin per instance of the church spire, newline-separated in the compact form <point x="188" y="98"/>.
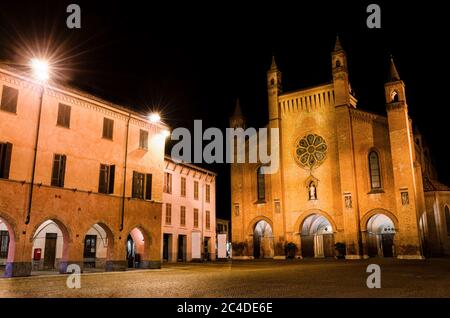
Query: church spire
<point x="393" y="74"/>
<point x="338" y="45"/>
<point x="237" y="109"/>
<point x="237" y="120"/>
<point x="273" y="66"/>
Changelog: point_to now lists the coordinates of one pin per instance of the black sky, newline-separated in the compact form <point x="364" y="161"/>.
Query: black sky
<point x="191" y="60"/>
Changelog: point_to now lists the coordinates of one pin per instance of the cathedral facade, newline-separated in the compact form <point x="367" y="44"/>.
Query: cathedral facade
<point x="350" y="182"/>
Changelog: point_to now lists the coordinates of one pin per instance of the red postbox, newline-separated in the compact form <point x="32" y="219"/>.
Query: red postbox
<point x="37" y="254"/>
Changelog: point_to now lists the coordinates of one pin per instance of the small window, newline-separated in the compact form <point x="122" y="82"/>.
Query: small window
<point x="394" y="96"/>
<point x="236" y="209"/>
<point x="196" y="218"/>
<point x="196" y="190"/>
<point x="167" y="182"/>
<point x="261" y="184"/>
<point x="142" y="186"/>
<point x="143" y="139"/>
<point x="208" y="220"/>
<point x="183" y="186"/>
<point x="447" y="219"/>
<point x="168" y="213"/>
<point x="5" y="159"/>
<point x="208" y="193"/>
<point x="183" y="216"/>
<point x="374" y="170"/>
<point x="108" y="127"/>
<point x="59" y="170"/>
<point x="63" y="115"/>
<point x="106" y="179"/>
<point x="9" y="99"/>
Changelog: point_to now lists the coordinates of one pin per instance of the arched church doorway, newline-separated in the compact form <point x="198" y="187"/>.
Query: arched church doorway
<point x="380" y="236"/>
<point x="98" y="246"/>
<point x="317" y="237"/>
<point x="263" y="246"/>
<point x="7" y="243"/>
<point x="50" y="245"/>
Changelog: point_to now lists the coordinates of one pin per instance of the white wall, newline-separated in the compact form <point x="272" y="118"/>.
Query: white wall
<point x="39" y="238"/>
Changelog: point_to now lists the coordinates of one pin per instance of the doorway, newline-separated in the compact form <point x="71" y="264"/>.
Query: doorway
<point x="50" y="250"/>
<point x="317" y="237"/>
<point x="167" y="242"/>
<point x="182" y="243"/>
<point x="90" y="250"/>
<point x="206" y="253"/>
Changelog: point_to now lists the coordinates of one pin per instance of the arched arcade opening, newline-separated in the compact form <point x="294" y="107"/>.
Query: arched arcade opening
<point x="50" y="245"/>
<point x="137" y="247"/>
<point x="98" y="246"/>
<point x="7" y="243"/>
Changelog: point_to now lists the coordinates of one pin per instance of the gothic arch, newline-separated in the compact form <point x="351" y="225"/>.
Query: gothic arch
<point x="109" y="236"/>
<point x="67" y="233"/>
<point x="306" y="214"/>
<point x="252" y="224"/>
<point x="11" y="225"/>
<point x="365" y="219"/>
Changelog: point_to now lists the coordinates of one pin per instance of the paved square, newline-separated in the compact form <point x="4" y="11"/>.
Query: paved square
<point x="268" y="278"/>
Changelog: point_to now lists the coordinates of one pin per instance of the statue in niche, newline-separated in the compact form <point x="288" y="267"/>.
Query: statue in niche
<point x="312" y="191"/>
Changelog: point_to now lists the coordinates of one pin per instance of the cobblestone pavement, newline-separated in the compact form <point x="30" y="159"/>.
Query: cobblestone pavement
<point x="268" y="278"/>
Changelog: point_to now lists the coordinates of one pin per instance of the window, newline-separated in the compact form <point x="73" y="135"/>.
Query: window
<point x="196" y="190"/>
<point x="236" y="209"/>
<point x="9" y="99"/>
<point x="447" y="219"/>
<point x="195" y="218"/>
<point x="168" y="213"/>
<point x="4" y="244"/>
<point x="208" y="193"/>
<point x="208" y="220"/>
<point x="143" y="139"/>
<point x="108" y="126"/>
<point x="374" y="169"/>
<point x="183" y="216"/>
<point x="167" y="182"/>
<point x="106" y="179"/>
<point x="63" y="115"/>
<point x="59" y="170"/>
<point x="5" y="159"/>
<point x="183" y="186"/>
<point x="261" y="185"/>
<point x="142" y="186"/>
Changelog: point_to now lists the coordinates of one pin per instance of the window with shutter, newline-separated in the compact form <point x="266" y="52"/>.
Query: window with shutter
<point x="106" y="179"/>
<point x="138" y="185"/>
<point x="63" y="115"/>
<point x="5" y="159"/>
<point x="148" y="186"/>
<point x="143" y="139"/>
<point x="59" y="169"/>
<point x="9" y="99"/>
<point x="108" y="127"/>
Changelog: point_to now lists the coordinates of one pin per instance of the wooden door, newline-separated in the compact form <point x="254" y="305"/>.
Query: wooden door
<point x="50" y="250"/>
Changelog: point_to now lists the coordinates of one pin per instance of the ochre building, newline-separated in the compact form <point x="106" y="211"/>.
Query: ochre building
<point x="350" y="182"/>
<point x="81" y="180"/>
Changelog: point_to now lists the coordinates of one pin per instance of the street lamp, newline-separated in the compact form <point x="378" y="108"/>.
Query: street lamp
<point x="40" y="69"/>
<point x="41" y="73"/>
<point x="154" y="118"/>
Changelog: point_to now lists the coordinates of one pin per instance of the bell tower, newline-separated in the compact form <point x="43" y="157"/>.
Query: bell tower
<point x="273" y="90"/>
<point x="407" y="175"/>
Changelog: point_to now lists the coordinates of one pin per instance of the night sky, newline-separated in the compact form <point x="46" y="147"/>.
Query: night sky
<point x="191" y="60"/>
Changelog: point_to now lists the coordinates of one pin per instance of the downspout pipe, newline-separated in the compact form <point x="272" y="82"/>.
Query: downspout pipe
<point x="122" y="212"/>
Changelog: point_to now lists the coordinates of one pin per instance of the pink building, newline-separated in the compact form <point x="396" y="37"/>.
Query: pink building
<point x="189" y="212"/>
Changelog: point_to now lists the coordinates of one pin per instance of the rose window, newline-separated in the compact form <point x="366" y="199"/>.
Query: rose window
<point x="310" y="151"/>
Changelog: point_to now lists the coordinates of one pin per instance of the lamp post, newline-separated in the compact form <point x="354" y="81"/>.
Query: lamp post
<point x="41" y="74"/>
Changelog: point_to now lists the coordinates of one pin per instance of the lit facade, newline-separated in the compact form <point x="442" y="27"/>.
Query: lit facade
<point x="346" y="176"/>
<point x="189" y="213"/>
<point x="98" y="174"/>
